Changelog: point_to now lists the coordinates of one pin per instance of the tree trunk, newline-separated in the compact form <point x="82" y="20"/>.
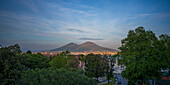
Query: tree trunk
<point x="108" y="80"/>
<point x="108" y="76"/>
<point x="143" y="83"/>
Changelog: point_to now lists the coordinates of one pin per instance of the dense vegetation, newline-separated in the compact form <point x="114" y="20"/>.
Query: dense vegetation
<point x="144" y="55"/>
<point x="32" y="61"/>
<point x="10" y="65"/>
<point x="32" y="69"/>
<point x="97" y="66"/>
<point x="53" y="77"/>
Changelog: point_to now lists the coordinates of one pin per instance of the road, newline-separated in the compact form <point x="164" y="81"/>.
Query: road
<point x="123" y="81"/>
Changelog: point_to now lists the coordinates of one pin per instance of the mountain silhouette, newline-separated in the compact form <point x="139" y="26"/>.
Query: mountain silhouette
<point x="85" y="47"/>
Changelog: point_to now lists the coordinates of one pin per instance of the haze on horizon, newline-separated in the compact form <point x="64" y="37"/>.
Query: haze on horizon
<point x="47" y="24"/>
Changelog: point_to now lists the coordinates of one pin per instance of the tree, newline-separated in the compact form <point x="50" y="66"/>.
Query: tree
<point x="105" y="64"/>
<point x="91" y="65"/>
<point x="54" y="77"/>
<point x="82" y="58"/>
<point x="72" y="62"/>
<point x="95" y="66"/>
<point x="109" y="60"/>
<point x="58" y="62"/>
<point x="10" y="65"/>
<point x="29" y="52"/>
<point x="140" y="55"/>
<point x="64" y="60"/>
<point x="15" y="49"/>
<point x="164" y="50"/>
<point x="32" y="61"/>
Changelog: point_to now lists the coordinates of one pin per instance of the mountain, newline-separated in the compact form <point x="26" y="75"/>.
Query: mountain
<point x="85" y="47"/>
<point x="70" y="47"/>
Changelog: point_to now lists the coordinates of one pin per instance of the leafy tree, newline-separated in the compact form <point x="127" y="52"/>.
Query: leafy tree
<point x="29" y="52"/>
<point x="82" y="57"/>
<point x="53" y="77"/>
<point x="15" y="49"/>
<point x="58" y="61"/>
<point x="10" y="65"/>
<point x="32" y="61"/>
<point x="64" y="60"/>
<point x="65" y="53"/>
<point x="140" y="55"/>
<point x="95" y="66"/>
<point x="164" y="50"/>
<point x="104" y="63"/>
<point x="72" y="62"/>
<point x="109" y="64"/>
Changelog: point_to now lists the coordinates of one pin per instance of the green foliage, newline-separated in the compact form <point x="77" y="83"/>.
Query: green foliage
<point x="164" y="50"/>
<point x="82" y="57"/>
<point x="73" y="62"/>
<point x="15" y="49"/>
<point x="108" y="84"/>
<point x="64" y="60"/>
<point x="109" y="62"/>
<point x="96" y="66"/>
<point x="33" y="61"/>
<point x="10" y="66"/>
<point x="13" y="70"/>
<point x="113" y="80"/>
<point x="53" y="77"/>
<point x="92" y="64"/>
<point x="58" y="62"/>
<point x="142" y="55"/>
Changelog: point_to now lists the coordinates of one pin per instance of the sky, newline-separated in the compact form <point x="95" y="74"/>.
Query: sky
<point x="38" y="25"/>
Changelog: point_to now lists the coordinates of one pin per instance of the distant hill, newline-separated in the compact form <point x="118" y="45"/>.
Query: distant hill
<point x="85" y="47"/>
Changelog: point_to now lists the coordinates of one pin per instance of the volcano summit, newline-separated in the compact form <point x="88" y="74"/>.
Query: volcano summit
<point x="85" y="48"/>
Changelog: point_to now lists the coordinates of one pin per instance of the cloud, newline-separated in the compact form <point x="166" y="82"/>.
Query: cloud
<point x="77" y="30"/>
<point x="29" y="4"/>
<point x="29" y="45"/>
<point x="91" y="39"/>
<point x="146" y="14"/>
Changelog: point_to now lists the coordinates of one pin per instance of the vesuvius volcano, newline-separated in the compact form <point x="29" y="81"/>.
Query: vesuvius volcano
<point x="85" y="47"/>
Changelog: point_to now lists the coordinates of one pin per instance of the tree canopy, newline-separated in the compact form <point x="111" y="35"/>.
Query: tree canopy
<point x="58" y="62"/>
<point x="32" y="61"/>
<point x="164" y="50"/>
<point x="53" y="77"/>
<point x="96" y="66"/>
<point x="32" y="69"/>
<point x="10" y="65"/>
<point x="29" y="52"/>
<point x="141" y="53"/>
<point x="64" y="60"/>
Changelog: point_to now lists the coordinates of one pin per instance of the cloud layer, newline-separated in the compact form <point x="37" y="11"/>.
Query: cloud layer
<point x="91" y="39"/>
<point x="60" y="22"/>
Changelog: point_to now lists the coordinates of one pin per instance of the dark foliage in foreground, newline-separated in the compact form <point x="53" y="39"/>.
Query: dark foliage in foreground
<point x="53" y="77"/>
<point x="34" y="69"/>
<point x="10" y="65"/>
<point x="144" y="55"/>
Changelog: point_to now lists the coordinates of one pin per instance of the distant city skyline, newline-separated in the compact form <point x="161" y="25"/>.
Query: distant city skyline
<point x="38" y="25"/>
